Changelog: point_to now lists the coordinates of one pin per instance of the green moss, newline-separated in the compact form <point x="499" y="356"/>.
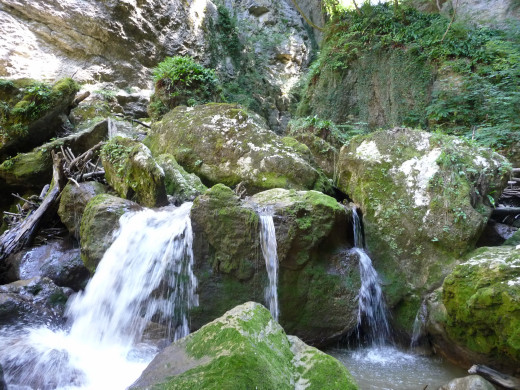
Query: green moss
<point x="482" y="299"/>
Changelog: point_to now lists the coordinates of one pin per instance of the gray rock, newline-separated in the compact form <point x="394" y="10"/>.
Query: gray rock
<point x="471" y="382"/>
<point x="58" y="261"/>
<point x="33" y="301"/>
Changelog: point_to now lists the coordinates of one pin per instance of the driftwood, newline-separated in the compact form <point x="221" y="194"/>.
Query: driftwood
<point x="81" y="168"/>
<point x="22" y="235"/>
<point x="134" y="120"/>
<point x="80" y="98"/>
<point x="506" y="381"/>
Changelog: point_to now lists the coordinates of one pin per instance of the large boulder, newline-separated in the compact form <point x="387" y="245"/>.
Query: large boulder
<point x="99" y="221"/>
<point x="74" y="199"/>
<point x="58" y="260"/>
<point x="132" y="171"/>
<point x="244" y="349"/>
<point x="223" y="143"/>
<point x="425" y="200"/>
<point x="476" y="314"/>
<point x="32" y="113"/>
<point x="318" y="280"/>
<point x="34" y="169"/>
<point x="470" y="382"/>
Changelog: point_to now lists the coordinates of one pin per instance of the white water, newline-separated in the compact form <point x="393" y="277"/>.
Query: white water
<point x="418" y="325"/>
<point x="371" y="306"/>
<point x="146" y="275"/>
<point x="268" y="244"/>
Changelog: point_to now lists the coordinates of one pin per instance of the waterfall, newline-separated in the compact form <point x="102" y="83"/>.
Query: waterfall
<point x="371" y="306"/>
<point x="418" y="325"/>
<point x="268" y="244"/>
<point x="145" y="277"/>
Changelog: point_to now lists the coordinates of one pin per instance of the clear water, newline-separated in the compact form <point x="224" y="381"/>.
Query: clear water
<point x="146" y="275"/>
<point x="388" y="368"/>
<point x="268" y="244"/>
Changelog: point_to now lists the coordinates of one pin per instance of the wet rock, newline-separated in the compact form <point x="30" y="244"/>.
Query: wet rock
<point x="73" y="201"/>
<point x="133" y="173"/>
<point x="33" y="301"/>
<point x="100" y="220"/>
<point x="495" y="234"/>
<point x="245" y="348"/>
<point x="471" y="382"/>
<point x="58" y="261"/>
<point x="424" y="200"/>
<point x="223" y="143"/>
<point x="180" y="185"/>
<point x="476" y="314"/>
<point x="317" y="281"/>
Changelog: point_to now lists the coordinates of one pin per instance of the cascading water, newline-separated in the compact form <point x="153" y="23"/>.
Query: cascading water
<point x="418" y="325"/>
<point x="372" y="308"/>
<point x="145" y="277"/>
<point x="268" y="244"/>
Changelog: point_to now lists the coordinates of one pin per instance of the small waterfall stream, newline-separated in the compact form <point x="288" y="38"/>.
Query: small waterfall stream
<point x="372" y="308"/>
<point x="268" y="244"/>
<point x="145" y="276"/>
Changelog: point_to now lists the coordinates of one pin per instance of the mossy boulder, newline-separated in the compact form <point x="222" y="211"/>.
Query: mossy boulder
<point x="31" y="112"/>
<point x="73" y="201"/>
<point x="318" y="282"/>
<point x="425" y="200"/>
<point x="482" y="301"/>
<point x="243" y="349"/>
<point x="34" y="169"/>
<point x="133" y="173"/>
<point x="223" y="143"/>
<point x="180" y="185"/>
<point x="98" y="223"/>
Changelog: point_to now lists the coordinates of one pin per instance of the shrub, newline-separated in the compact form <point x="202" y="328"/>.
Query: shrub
<point x="180" y="80"/>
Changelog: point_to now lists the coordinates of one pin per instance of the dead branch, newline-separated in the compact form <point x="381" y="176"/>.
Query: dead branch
<point x="15" y="239"/>
<point x="80" y="98"/>
<point x="506" y="381"/>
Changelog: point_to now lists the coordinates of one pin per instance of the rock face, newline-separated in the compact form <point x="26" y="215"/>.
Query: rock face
<point x="73" y="201"/>
<point x="478" y="309"/>
<point x="132" y="171"/>
<point x="487" y="11"/>
<point x="34" y="169"/>
<point x="245" y="348"/>
<point x="57" y="261"/>
<point x="318" y="282"/>
<point x="223" y="143"/>
<point x="261" y="48"/>
<point x="471" y="382"/>
<point x="100" y="220"/>
<point x="425" y="201"/>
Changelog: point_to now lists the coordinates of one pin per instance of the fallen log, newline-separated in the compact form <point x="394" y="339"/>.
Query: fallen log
<point x="501" y="212"/>
<point x="22" y="235"/>
<point x="506" y="381"/>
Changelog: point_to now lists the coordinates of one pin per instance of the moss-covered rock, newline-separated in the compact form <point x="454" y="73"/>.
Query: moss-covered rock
<point x="132" y="171"/>
<point x="34" y="169"/>
<point x="73" y="201"/>
<point x="99" y="221"/>
<point x="181" y="185"/>
<point x="514" y="239"/>
<point x="425" y="200"/>
<point x="244" y="349"/>
<point x="318" y="282"/>
<point x="31" y="112"/>
<point x="482" y="301"/>
<point x="223" y="143"/>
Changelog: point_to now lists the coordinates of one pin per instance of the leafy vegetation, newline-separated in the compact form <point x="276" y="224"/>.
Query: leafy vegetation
<point x="180" y="80"/>
<point x="478" y="72"/>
